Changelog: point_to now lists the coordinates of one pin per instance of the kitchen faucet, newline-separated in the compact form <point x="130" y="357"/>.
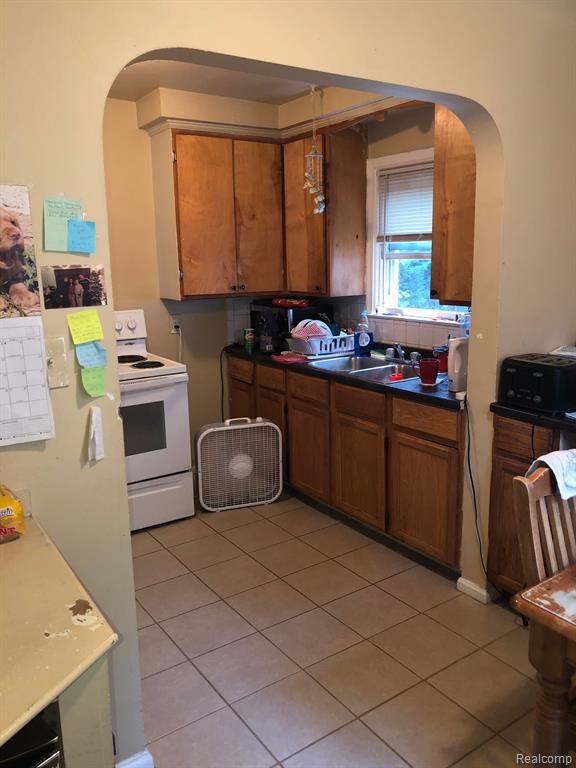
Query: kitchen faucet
<point x="396" y="353"/>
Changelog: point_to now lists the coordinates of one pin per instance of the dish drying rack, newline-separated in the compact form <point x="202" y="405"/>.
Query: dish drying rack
<point x="323" y="346"/>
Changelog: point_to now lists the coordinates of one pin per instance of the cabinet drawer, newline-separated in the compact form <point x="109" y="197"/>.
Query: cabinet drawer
<point x="432" y="421"/>
<point x="520" y="438"/>
<point x="368" y="406"/>
<point x="271" y="378"/>
<point x="243" y="370"/>
<point x="309" y="388"/>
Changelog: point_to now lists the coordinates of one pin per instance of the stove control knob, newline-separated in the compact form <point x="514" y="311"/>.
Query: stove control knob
<point x="132" y="325"/>
<point x="118" y="325"/>
<point x="510" y="393"/>
<point x="537" y="399"/>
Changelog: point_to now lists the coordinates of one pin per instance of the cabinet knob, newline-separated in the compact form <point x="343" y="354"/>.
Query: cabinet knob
<point x="233" y="287"/>
<point x="318" y="288"/>
<point x="242" y="287"/>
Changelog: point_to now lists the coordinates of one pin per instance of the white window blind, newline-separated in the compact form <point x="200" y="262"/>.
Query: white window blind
<point x="405" y="205"/>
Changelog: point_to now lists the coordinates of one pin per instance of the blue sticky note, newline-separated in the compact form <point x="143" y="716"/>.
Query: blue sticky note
<point x="81" y="236"/>
<point x="92" y="354"/>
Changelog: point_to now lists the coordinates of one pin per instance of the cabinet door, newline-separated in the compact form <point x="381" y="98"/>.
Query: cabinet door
<point x="304" y="230"/>
<point x="258" y="197"/>
<point x="346" y="213"/>
<point x="272" y="405"/>
<point x="205" y="213"/>
<point x="423" y="504"/>
<point x="358" y="468"/>
<point x="309" y="448"/>
<point x="453" y="210"/>
<point x="240" y="399"/>
<point x="504" y="560"/>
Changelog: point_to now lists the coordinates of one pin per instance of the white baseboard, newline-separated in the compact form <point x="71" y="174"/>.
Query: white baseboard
<point x="139" y="760"/>
<point x="482" y="594"/>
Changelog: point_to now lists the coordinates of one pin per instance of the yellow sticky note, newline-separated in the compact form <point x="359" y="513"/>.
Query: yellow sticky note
<point x="93" y="381"/>
<point x="85" y="326"/>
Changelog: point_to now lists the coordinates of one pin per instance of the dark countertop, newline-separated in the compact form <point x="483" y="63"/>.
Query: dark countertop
<point x="533" y="417"/>
<point x="411" y="389"/>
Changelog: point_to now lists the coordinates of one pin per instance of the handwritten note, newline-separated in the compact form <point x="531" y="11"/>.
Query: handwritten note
<point x="57" y="212"/>
<point x="85" y="326"/>
<point x="81" y="236"/>
<point x="92" y="354"/>
<point x="93" y="381"/>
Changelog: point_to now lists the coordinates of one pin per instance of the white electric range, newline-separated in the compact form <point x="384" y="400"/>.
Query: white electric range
<point x="154" y="409"/>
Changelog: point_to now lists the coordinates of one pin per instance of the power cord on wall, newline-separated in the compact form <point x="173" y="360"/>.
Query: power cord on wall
<point x="475" y="501"/>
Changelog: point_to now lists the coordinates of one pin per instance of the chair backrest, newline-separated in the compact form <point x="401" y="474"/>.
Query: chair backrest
<point x="546" y="526"/>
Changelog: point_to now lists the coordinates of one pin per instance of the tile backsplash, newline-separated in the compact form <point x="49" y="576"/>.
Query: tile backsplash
<point x="347" y="313"/>
<point x="413" y="332"/>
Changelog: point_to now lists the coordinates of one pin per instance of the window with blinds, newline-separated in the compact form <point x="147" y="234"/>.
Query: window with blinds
<point x="402" y="244"/>
<point x="405" y="208"/>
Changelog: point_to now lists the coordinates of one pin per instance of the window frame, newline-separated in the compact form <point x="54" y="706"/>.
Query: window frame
<point x="373" y="167"/>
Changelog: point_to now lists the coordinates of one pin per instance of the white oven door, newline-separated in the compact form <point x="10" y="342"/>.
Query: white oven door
<point x="156" y="430"/>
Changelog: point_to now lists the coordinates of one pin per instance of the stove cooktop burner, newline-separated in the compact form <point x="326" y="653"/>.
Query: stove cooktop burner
<point x="130" y="358"/>
<point x="148" y="364"/>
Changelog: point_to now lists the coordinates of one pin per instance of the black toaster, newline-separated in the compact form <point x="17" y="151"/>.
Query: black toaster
<point x="539" y="382"/>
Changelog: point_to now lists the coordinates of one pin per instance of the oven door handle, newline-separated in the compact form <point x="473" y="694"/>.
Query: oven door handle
<point x="156" y="382"/>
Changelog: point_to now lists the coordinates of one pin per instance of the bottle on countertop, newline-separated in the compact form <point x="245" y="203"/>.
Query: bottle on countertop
<point x="362" y="337"/>
<point x="362" y="325"/>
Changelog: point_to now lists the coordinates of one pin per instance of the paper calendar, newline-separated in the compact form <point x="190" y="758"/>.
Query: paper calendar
<point x="25" y="406"/>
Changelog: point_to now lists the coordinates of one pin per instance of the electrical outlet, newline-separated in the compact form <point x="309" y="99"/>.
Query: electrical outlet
<point x="175" y="328"/>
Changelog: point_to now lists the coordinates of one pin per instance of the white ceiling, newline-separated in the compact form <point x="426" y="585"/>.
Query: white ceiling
<point x="140" y="78"/>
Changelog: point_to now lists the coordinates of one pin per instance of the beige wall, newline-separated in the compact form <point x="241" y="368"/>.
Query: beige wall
<point x="402" y="131"/>
<point x="130" y="203"/>
<point x="513" y="90"/>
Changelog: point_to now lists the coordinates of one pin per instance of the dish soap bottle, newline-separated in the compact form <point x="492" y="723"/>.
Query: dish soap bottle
<point x="362" y="337"/>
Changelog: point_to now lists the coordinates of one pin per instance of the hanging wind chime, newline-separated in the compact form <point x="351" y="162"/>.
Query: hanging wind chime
<point x="313" y="180"/>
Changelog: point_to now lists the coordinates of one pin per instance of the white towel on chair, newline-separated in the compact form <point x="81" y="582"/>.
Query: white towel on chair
<point x="563" y="465"/>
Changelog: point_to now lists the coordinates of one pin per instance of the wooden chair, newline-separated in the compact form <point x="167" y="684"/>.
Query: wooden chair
<point x="546" y="527"/>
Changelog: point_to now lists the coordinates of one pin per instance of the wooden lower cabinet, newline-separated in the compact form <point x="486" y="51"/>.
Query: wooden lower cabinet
<point x="358" y="468"/>
<point x="272" y="405"/>
<point x="515" y="443"/>
<point x="423" y="496"/>
<point x="309" y="448"/>
<point x="240" y="399"/>
<point x="504" y="561"/>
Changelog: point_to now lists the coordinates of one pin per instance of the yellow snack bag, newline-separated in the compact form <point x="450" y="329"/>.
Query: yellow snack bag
<point x="11" y="515"/>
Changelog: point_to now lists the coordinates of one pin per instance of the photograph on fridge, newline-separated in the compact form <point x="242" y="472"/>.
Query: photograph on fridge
<point x="73" y="285"/>
<point x="19" y="295"/>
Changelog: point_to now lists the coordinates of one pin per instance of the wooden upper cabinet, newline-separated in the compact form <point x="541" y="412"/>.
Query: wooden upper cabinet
<point x="346" y="211"/>
<point x="204" y="184"/>
<point x="326" y="253"/>
<point x="258" y="198"/>
<point x="305" y="230"/>
<point x="453" y="211"/>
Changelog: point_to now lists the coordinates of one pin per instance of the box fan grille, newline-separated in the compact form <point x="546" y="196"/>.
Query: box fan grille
<point x="239" y="463"/>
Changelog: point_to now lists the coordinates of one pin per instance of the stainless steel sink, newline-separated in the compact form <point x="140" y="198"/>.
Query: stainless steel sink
<point x="382" y="373"/>
<point x="349" y="364"/>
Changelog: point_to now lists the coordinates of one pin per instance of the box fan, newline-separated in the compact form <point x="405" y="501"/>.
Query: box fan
<point x="239" y="463"/>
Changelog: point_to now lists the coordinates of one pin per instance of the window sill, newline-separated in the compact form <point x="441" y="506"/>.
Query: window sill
<point x="415" y="319"/>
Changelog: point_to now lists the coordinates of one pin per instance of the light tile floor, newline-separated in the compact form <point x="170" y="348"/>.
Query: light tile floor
<point x="277" y="636"/>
